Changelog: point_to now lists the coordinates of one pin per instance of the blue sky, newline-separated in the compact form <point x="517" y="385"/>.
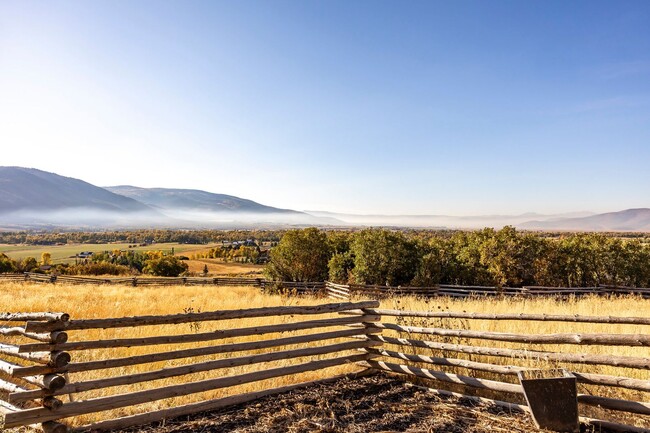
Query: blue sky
<point x="429" y="107"/>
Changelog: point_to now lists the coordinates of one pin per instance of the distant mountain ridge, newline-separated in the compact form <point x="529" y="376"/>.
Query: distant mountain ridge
<point x="193" y="199"/>
<point x="625" y="220"/>
<point x="32" y="198"/>
<point x="31" y="189"/>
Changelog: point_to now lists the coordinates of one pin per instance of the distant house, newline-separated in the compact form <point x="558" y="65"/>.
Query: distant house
<point x="85" y="254"/>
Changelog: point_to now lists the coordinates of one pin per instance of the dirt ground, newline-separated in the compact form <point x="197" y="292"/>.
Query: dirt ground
<point x="371" y="404"/>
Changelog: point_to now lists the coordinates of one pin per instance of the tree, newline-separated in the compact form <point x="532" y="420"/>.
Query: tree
<point x="46" y="258"/>
<point x="340" y="266"/>
<point x="6" y="264"/>
<point x="165" y="266"/>
<point x="383" y="257"/>
<point x="301" y="255"/>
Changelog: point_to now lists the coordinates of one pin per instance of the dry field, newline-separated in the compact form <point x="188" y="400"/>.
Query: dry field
<point x="91" y="301"/>
<point x="219" y="268"/>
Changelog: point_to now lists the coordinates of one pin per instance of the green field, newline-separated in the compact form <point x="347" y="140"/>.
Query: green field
<point x="65" y="253"/>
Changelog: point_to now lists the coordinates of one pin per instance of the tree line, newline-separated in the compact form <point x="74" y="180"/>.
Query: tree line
<point x="489" y="257"/>
<point x="107" y="263"/>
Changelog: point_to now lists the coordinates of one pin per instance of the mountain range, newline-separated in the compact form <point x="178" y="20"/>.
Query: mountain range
<point x="31" y="198"/>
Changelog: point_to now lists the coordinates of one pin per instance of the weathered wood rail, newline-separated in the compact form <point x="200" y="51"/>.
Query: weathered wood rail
<point x="450" y="356"/>
<point x="31" y="386"/>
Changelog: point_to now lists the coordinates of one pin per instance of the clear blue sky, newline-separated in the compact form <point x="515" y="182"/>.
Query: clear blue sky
<point x="455" y="107"/>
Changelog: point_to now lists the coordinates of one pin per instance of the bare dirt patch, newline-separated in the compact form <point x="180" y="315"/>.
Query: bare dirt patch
<point x="371" y="404"/>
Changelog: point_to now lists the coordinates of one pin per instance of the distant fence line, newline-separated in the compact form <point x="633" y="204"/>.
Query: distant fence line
<point x="336" y="291"/>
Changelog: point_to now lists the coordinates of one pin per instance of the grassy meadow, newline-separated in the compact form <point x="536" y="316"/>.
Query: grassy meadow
<point x="89" y="301"/>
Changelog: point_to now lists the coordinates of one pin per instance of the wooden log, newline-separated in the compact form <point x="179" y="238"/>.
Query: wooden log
<point x="637" y="407"/>
<point x="521" y="316"/>
<point x="581" y="339"/>
<point x="14" y="351"/>
<point x="615" y="381"/>
<point x="11" y="387"/>
<point x="207" y="406"/>
<point x="52" y="403"/>
<point x="31" y="416"/>
<point x="586" y="378"/>
<point x="52" y="337"/>
<point x="50" y="382"/>
<point x="203" y="366"/>
<point x="122" y="322"/>
<point x="577" y="358"/>
<point x="54" y="427"/>
<point x="193" y="338"/>
<point x="24" y="317"/>
<point x="338" y="292"/>
<point x="450" y="362"/>
<point x="194" y="352"/>
<point x="445" y="377"/>
<point x="602" y="425"/>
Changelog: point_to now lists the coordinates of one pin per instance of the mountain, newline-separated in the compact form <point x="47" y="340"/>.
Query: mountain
<point x="31" y="198"/>
<point x="29" y="189"/>
<point x="441" y="221"/>
<point x="195" y="207"/>
<point x="194" y="200"/>
<point x="625" y="220"/>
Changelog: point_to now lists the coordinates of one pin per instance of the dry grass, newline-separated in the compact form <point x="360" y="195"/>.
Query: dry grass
<point x="590" y="306"/>
<point x="89" y="301"/>
<point x="219" y="268"/>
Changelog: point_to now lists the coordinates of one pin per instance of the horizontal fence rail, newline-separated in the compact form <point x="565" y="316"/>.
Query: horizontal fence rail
<point x="36" y="373"/>
<point x="445" y="356"/>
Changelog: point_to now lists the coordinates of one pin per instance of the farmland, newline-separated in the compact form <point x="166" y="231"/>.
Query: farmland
<point x="88" y="302"/>
<point x="66" y="253"/>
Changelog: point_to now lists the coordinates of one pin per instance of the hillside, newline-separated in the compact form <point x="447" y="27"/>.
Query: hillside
<point x="626" y="220"/>
<point x="193" y="200"/>
<point x="29" y="189"/>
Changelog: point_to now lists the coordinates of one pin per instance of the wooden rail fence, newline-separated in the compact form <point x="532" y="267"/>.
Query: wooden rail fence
<point x="444" y="357"/>
<point x="344" y="291"/>
<point x="336" y="291"/>
<point x="50" y="365"/>
<point x="37" y="352"/>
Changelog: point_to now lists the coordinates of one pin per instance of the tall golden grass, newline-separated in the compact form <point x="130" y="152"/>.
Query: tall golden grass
<point x="91" y="301"/>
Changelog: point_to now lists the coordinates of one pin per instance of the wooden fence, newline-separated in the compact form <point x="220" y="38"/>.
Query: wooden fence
<point x="53" y="368"/>
<point x="344" y="291"/>
<point x="336" y="291"/>
<point x="449" y="359"/>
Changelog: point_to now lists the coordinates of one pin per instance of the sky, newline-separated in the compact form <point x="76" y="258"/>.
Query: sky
<point x="374" y="107"/>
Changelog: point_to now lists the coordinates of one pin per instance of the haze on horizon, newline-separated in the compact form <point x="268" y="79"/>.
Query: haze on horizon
<point x="448" y="108"/>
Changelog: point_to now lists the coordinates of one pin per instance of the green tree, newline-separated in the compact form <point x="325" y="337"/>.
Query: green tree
<point x="383" y="257"/>
<point x="165" y="266"/>
<point x="340" y="266"/>
<point x="301" y="255"/>
<point x="6" y="264"/>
